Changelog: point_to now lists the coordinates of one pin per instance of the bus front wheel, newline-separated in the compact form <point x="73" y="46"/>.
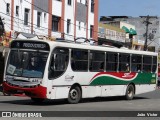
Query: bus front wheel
<point x="74" y="95"/>
<point x="129" y="92"/>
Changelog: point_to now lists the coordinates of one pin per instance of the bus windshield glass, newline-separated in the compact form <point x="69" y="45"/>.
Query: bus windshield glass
<point x="24" y="63"/>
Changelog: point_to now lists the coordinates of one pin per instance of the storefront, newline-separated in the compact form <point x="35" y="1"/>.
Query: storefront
<point x="110" y="35"/>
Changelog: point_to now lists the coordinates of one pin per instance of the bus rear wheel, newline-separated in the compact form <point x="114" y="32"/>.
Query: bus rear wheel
<point x="74" y="95"/>
<point x="130" y="92"/>
<point x="37" y="100"/>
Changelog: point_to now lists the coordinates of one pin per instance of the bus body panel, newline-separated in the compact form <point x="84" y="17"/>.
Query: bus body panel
<point x="145" y="88"/>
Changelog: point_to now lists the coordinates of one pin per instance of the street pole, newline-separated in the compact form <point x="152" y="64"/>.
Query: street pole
<point x="146" y="34"/>
<point x="147" y="25"/>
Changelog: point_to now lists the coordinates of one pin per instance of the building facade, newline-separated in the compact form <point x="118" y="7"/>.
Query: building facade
<point x="153" y="37"/>
<point x="153" y="41"/>
<point x="130" y="30"/>
<point x="67" y="19"/>
<point x="111" y="35"/>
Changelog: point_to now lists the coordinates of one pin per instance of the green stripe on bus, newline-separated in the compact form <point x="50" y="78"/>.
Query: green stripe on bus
<point x="142" y="78"/>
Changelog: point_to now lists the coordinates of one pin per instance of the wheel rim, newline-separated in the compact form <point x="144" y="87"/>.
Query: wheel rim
<point x="130" y="92"/>
<point x="73" y="94"/>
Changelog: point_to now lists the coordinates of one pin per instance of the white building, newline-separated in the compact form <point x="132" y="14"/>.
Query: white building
<point x="54" y="18"/>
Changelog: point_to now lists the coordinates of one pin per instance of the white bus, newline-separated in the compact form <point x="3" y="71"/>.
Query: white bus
<point x="60" y="70"/>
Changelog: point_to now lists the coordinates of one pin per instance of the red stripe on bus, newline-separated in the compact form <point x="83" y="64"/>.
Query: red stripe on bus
<point x="122" y="75"/>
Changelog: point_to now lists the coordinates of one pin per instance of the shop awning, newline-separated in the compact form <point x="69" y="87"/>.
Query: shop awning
<point x="133" y="32"/>
<point x="125" y="29"/>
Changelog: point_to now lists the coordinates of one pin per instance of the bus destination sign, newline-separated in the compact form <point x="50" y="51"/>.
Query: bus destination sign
<point x="30" y="45"/>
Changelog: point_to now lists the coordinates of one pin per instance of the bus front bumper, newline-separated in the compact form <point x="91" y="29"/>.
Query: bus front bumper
<point x="36" y="92"/>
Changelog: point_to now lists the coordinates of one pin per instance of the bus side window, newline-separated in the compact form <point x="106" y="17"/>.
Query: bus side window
<point x="51" y="67"/>
<point x="136" y="63"/>
<point x="52" y="63"/>
<point x="59" y="62"/>
<point x="79" y="60"/>
<point x="111" y="61"/>
<point x="97" y="61"/>
<point x="124" y="62"/>
<point x="147" y="63"/>
<point x="154" y="64"/>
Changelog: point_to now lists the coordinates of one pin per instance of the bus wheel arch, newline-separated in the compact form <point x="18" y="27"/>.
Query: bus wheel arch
<point x="75" y="94"/>
<point x="130" y="91"/>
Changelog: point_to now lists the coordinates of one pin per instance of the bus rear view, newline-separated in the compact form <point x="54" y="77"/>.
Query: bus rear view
<point x="25" y="69"/>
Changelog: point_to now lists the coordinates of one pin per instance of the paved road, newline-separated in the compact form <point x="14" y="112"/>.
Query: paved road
<point x="149" y="101"/>
<point x="144" y="102"/>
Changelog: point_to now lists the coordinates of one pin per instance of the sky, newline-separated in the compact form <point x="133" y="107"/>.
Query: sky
<point x="132" y="8"/>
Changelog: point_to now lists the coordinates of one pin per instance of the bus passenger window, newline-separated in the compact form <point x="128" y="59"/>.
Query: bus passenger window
<point x="124" y="62"/>
<point x="136" y="63"/>
<point x="97" y="61"/>
<point x="111" y="61"/>
<point x="79" y="60"/>
<point x="147" y="63"/>
<point x="127" y="68"/>
<point x="154" y="64"/>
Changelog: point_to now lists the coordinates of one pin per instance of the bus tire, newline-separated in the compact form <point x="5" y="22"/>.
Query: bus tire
<point x="130" y="92"/>
<point x="37" y="100"/>
<point x="5" y="94"/>
<point x="74" y="95"/>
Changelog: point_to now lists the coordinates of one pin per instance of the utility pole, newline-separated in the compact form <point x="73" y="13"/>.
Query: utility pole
<point x="146" y="34"/>
<point x="147" y="25"/>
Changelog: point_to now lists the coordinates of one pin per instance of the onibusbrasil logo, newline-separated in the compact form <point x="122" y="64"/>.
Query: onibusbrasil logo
<point x="21" y="114"/>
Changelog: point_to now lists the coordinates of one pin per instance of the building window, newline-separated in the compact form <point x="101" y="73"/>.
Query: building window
<point x="26" y="16"/>
<point x="55" y="23"/>
<point x="91" y="31"/>
<point x="86" y="3"/>
<point x="69" y="2"/>
<point x="92" y="5"/>
<point x="45" y="17"/>
<point x="17" y="10"/>
<point x="79" y="26"/>
<point x="68" y="25"/>
<point x="84" y="26"/>
<point x="8" y="8"/>
<point x="39" y="14"/>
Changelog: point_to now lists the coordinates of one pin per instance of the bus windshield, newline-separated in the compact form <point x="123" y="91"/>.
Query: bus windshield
<point x="24" y="63"/>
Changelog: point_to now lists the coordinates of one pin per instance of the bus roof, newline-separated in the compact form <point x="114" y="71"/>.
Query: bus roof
<point x="53" y="44"/>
